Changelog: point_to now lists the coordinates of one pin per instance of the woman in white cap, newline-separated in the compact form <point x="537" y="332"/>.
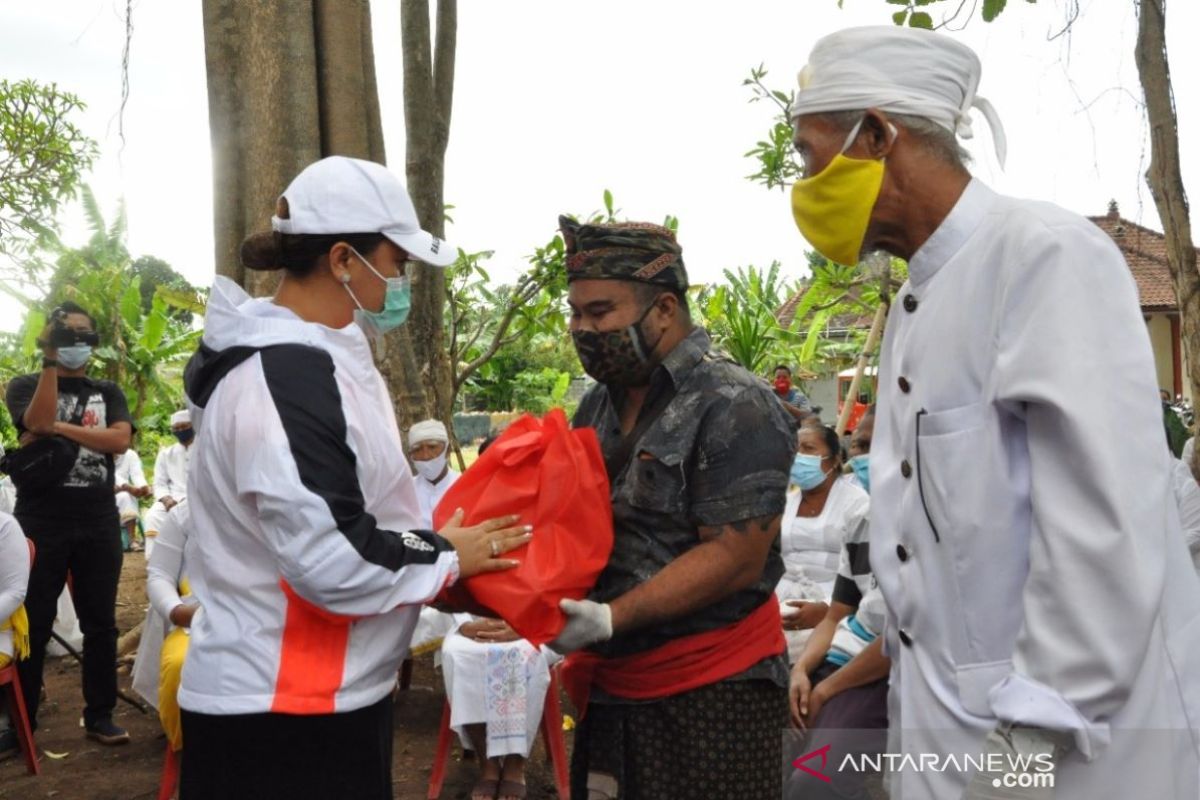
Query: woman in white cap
<point x="306" y="550"/>
<point x="170" y="476"/>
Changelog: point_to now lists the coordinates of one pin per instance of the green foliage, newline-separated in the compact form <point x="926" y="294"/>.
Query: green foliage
<point x="42" y="156"/>
<point x="143" y="346"/>
<point x="909" y="15"/>
<point x="773" y="153"/>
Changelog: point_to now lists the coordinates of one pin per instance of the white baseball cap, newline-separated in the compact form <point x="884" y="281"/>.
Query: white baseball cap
<point x="348" y="195"/>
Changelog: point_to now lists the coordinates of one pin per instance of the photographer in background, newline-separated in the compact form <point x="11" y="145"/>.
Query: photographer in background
<point x="71" y="427"/>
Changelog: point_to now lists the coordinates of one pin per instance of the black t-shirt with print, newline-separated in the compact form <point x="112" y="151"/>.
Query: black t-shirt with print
<point x="87" y="491"/>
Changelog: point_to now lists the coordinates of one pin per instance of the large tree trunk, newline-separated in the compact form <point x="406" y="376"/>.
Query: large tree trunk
<point x="1166" y="181"/>
<point x="428" y="98"/>
<point x="289" y="82"/>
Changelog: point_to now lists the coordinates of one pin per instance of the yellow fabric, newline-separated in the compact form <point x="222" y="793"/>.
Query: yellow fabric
<point x="174" y="650"/>
<point x="185" y="588"/>
<point x="833" y="207"/>
<point x="18" y="623"/>
<point x="5" y="660"/>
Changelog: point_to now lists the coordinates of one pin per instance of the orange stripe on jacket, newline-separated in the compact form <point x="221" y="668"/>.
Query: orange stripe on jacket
<point x="313" y="657"/>
<point x="679" y="665"/>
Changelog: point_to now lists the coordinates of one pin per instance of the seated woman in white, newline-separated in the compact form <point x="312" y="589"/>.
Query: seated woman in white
<point x="159" y="664"/>
<point x="822" y="512"/>
<point x="14" y="625"/>
<point x="496" y="683"/>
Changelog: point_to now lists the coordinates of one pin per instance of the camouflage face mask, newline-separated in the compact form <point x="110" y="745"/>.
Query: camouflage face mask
<point x="617" y="358"/>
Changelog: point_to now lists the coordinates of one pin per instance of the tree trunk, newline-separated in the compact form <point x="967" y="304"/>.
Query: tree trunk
<point x="289" y="82"/>
<point x="428" y="99"/>
<point x="1166" y="181"/>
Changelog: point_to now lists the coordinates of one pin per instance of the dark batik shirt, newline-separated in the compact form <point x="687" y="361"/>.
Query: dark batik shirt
<point x="719" y="453"/>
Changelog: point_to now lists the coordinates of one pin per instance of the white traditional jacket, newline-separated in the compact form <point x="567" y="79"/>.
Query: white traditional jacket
<point x="1023" y="528"/>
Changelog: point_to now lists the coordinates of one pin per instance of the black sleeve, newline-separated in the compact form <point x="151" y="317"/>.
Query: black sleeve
<point x="846" y="591"/>
<point x="306" y="395"/>
<point x="19" y="396"/>
<point x="116" y="408"/>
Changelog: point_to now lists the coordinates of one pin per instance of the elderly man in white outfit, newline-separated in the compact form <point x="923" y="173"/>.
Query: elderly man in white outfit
<point x="1041" y="601"/>
<point x="170" y="476"/>
<point x="428" y="446"/>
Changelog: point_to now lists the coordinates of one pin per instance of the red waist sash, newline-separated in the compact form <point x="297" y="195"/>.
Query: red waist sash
<point x="679" y="665"/>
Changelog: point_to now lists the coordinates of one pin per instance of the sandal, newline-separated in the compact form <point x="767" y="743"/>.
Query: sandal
<point x="511" y="789"/>
<point x="484" y="788"/>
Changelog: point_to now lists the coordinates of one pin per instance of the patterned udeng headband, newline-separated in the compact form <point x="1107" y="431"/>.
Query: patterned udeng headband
<point x="632" y="251"/>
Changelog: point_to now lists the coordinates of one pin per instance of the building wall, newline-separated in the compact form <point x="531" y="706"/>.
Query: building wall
<point x="1159" y="328"/>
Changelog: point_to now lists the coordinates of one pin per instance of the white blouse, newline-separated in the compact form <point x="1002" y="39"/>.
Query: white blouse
<point x="812" y="546"/>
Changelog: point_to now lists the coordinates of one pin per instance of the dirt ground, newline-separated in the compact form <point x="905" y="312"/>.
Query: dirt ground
<point x="88" y="771"/>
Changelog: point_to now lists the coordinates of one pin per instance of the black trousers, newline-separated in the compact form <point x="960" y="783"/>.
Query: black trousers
<point x="91" y="551"/>
<point x="288" y="757"/>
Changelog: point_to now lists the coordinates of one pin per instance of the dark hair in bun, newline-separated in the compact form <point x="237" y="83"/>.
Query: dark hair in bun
<point x="299" y="253"/>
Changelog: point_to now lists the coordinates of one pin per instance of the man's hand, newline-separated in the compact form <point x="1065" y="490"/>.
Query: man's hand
<point x="143" y="491"/>
<point x="168" y="502"/>
<point x="587" y="623"/>
<point x="1040" y="749"/>
<point x="489" y="631"/>
<point x="182" y="614"/>
<point x="807" y="617"/>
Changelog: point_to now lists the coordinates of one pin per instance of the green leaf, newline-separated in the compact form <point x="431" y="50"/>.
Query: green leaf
<point x="992" y="9"/>
<point x="899" y="17"/>
<point x="131" y="304"/>
<point x="608" y="202"/>
<point x="920" y="19"/>
<point x="33" y="327"/>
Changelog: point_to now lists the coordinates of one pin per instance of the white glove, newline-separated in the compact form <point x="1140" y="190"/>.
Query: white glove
<point x="587" y="623"/>
<point x="1038" y="750"/>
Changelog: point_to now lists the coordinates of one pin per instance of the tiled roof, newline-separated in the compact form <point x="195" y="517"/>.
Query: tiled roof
<point x="1146" y="253"/>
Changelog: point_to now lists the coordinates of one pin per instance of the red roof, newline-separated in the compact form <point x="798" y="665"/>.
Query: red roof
<point x="1146" y="253"/>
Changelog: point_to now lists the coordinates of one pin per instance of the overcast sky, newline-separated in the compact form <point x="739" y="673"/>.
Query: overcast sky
<point x="557" y="100"/>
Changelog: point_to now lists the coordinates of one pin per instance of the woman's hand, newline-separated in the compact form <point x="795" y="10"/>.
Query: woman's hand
<point x="808" y="617"/>
<point x="479" y="547"/>
<point x="799" y="690"/>
<point x="489" y="631"/>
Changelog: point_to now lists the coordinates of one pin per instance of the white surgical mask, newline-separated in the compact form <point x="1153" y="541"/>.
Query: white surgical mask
<point x="75" y="356"/>
<point x="431" y="469"/>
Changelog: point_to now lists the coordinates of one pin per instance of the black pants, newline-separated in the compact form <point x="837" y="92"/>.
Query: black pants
<point x="91" y="551"/>
<point x="288" y="757"/>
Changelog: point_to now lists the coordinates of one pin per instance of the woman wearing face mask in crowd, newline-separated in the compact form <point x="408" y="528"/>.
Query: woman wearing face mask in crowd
<point x="822" y="509"/>
<point x="310" y="560"/>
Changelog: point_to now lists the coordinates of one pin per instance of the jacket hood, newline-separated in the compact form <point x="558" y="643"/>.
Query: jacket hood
<point x="236" y="326"/>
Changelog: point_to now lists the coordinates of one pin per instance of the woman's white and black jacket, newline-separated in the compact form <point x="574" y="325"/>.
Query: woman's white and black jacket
<point x="304" y="551"/>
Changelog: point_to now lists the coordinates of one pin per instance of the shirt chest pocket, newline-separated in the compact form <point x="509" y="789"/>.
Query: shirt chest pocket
<point x="968" y="484"/>
<point x="656" y="480"/>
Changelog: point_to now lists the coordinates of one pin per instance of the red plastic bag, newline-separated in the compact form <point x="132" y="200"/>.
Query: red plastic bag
<point x="554" y="478"/>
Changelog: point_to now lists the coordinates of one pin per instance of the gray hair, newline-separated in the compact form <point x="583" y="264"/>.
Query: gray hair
<point x="936" y="139"/>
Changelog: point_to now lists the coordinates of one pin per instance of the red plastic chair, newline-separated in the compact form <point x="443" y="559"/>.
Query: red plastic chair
<point x="170" y="775"/>
<point x="10" y="684"/>
<point x="552" y="736"/>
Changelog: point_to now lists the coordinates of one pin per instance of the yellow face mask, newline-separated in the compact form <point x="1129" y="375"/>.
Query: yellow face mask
<point x="833" y="207"/>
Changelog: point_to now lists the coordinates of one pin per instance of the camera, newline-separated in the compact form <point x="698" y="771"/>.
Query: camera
<point x="62" y="335"/>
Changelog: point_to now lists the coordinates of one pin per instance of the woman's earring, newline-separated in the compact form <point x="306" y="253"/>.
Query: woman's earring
<point x="344" y="277"/>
